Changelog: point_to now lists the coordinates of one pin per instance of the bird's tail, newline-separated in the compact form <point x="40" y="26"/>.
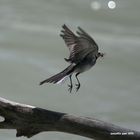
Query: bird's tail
<point x="60" y="76"/>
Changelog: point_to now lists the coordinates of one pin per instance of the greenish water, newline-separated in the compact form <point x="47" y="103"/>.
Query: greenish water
<point x="31" y="50"/>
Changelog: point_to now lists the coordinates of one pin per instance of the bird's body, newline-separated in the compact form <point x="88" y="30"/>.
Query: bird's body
<point x="83" y="55"/>
<point x="85" y="65"/>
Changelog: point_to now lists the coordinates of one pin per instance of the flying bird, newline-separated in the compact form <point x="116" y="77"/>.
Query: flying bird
<point x="83" y="55"/>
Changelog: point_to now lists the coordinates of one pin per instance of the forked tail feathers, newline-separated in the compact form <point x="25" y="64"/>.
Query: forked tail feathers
<point x="58" y="77"/>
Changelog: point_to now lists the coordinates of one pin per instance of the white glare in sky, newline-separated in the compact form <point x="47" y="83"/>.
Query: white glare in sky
<point x="95" y="5"/>
<point x="111" y="4"/>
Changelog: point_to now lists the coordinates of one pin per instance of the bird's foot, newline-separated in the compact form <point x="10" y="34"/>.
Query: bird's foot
<point x="77" y="87"/>
<point x="70" y="88"/>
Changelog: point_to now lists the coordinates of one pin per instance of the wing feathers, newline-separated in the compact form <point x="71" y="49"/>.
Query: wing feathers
<point x="80" y="45"/>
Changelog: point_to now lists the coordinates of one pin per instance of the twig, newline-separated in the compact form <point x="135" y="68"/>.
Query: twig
<point x="29" y="120"/>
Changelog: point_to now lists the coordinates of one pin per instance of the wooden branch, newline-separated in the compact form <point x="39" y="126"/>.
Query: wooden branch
<point x="29" y="120"/>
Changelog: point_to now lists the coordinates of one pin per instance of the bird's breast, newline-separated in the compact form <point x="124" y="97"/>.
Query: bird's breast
<point x="84" y="66"/>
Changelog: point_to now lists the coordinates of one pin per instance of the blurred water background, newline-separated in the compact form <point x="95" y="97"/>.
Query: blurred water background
<point x="31" y="50"/>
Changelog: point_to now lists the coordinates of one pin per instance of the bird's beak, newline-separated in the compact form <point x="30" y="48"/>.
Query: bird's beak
<point x="101" y="54"/>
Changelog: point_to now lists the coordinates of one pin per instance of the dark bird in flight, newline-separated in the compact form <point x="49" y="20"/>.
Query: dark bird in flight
<point x="83" y="55"/>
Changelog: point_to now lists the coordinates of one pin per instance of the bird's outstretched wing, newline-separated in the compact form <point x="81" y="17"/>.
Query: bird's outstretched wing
<point x="79" y="45"/>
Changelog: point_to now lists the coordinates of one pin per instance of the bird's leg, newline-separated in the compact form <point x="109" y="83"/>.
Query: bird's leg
<point x="71" y="85"/>
<point x="78" y="84"/>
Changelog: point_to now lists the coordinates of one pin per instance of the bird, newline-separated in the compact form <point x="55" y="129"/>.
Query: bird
<point x="83" y="55"/>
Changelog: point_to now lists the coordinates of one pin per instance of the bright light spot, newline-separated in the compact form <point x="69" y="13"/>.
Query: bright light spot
<point x="1" y="119"/>
<point x="95" y="5"/>
<point x="111" y="4"/>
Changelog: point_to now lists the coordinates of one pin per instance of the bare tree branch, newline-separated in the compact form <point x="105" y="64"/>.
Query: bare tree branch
<point x="29" y="120"/>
